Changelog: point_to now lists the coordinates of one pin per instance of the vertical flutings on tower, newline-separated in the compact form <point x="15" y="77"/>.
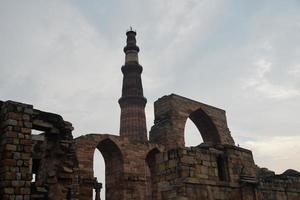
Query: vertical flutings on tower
<point x="132" y="102"/>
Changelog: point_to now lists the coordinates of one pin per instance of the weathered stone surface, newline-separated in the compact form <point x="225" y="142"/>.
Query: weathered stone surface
<point x="23" y="154"/>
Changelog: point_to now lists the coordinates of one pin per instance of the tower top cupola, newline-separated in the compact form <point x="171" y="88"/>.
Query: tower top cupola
<point x="131" y="41"/>
<point x="131" y="49"/>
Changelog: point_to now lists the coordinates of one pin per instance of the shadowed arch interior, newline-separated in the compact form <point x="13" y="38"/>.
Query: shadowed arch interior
<point x="205" y="126"/>
<point x="113" y="168"/>
<point x="151" y="163"/>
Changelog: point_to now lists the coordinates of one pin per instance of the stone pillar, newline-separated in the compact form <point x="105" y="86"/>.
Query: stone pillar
<point x="15" y="151"/>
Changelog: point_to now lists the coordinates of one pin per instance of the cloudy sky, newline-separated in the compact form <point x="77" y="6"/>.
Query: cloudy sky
<point x="242" y="56"/>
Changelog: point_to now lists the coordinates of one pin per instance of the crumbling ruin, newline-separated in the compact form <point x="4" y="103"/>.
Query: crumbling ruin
<point x="54" y="166"/>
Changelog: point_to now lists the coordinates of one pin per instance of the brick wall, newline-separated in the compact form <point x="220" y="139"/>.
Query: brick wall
<point x="193" y="173"/>
<point x="16" y="150"/>
<point x="56" y="175"/>
<point x="127" y="172"/>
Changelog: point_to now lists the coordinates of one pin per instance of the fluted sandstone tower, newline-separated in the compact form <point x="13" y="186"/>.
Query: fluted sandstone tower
<point x="132" y="102"/>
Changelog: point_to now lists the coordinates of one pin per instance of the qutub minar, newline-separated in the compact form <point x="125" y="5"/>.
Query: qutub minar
<point x="132" y="102"/>
<point x="54" y="166"/>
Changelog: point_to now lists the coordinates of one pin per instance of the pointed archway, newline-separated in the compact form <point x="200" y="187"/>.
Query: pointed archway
<point x="113" y="160"/>
<point x="150" y="161"/>
<point x="191" y="134"/>
<point x="205" y="126"/>
<point x="109" y="147"/>
<point x="99" y="172"/>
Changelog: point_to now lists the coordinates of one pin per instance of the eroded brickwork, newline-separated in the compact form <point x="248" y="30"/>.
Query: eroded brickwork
<point x="63" y="167"/>
<point x="171" y="113"/>
<point x="204" y="172"/>
<point x="36" y="166"/>
<point x="16" y="151"/>
<point x="125" y="165"/>
<point x="216" y="169"/>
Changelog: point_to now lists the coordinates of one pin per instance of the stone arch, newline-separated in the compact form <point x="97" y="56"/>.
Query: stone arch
<point x="113" y="159"/>
<point x="192" y="137"/>
<point x="150" y="161"/>
<point x="110" y="148"/>
<point x="205" y="125"/>
<point x="171" y="113"/>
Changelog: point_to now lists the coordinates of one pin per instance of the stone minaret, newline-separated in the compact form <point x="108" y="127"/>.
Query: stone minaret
<point x="132" y="102"/>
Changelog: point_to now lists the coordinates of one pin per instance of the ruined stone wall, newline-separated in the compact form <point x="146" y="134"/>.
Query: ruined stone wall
<point x="215" y="169"/>
<point x="160" y="170"/>
<point x="198" y="173"/>
<point x="56" y="171"/>
<point x="127" y="173"/>
<point x="15" y="148"/>
<point x="171" y="113"/>
<point x="279" y="187"/>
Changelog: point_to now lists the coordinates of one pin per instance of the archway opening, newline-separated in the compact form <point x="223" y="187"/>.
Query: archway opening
<point x="150" y="173"/>
<point x="113" y="161"/>
<point x="205" y="126"/>
<point x="191" y="134"/>
<point x="99" y="172"/>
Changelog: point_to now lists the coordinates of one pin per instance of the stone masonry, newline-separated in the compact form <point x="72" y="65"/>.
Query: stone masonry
<point x="40" y="160"/>
<point x="48" y="157"/>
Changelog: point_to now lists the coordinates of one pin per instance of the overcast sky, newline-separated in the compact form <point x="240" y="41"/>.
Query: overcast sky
<point x="242" y="56"/>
